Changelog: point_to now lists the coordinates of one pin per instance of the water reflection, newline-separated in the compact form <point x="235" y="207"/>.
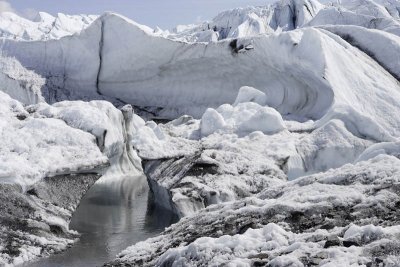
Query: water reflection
<point x="111" y="219"/>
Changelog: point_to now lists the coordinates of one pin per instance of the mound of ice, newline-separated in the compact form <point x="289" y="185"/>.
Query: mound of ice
<point x="107" y="124"/>
<point x="211" y="121"/>
<point x="151" y="142"/>
<point x="33" y="148"/>
<point x="242" y="119"/>
<point x="94" y="134"/>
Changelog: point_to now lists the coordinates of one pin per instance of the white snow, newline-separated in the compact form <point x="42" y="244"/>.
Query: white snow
<point x="330" y="146"/>
<point x="240" y="250"/>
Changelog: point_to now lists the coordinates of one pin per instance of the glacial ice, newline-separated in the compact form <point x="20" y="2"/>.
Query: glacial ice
<point x="94" y="134"/>
<point x="283" y="141"/>
<point x="242" y="119"/>
<point x="43" y="27"/>
<point x="19" y="83"/>
<point x="33" y="148"/>
<point x="292" y="224"/>
<point x="312" y="58"/>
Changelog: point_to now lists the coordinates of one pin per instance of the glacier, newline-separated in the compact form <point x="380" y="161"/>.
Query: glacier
<point x="272" y="132"/>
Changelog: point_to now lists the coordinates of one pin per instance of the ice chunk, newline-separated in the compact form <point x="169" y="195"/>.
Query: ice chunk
<point x="388" y="148"/>
<point x="244" y="117"/>
<point x="250" y="94"/>
<point x="266" y="120"/>
<point x="211" y="121"/>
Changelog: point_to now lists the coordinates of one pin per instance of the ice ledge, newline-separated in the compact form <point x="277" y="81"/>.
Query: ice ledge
<point x="35" y="223"/>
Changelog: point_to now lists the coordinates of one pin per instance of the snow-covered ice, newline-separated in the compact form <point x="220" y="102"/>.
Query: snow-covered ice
<point x="347" y="216"/>
<point x="279" y="140"/>
<point x="298" y="71"/>
<point x="21" y="84"/>
<point x="33" y="148"/>
<point x="43" y="27"/>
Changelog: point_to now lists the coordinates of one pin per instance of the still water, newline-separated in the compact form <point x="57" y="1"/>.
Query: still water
<point x="110" y="218"/>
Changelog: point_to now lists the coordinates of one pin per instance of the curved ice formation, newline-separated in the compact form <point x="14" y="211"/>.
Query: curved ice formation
<point x="386" y="148"/>
<point x="307" y="73"/>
